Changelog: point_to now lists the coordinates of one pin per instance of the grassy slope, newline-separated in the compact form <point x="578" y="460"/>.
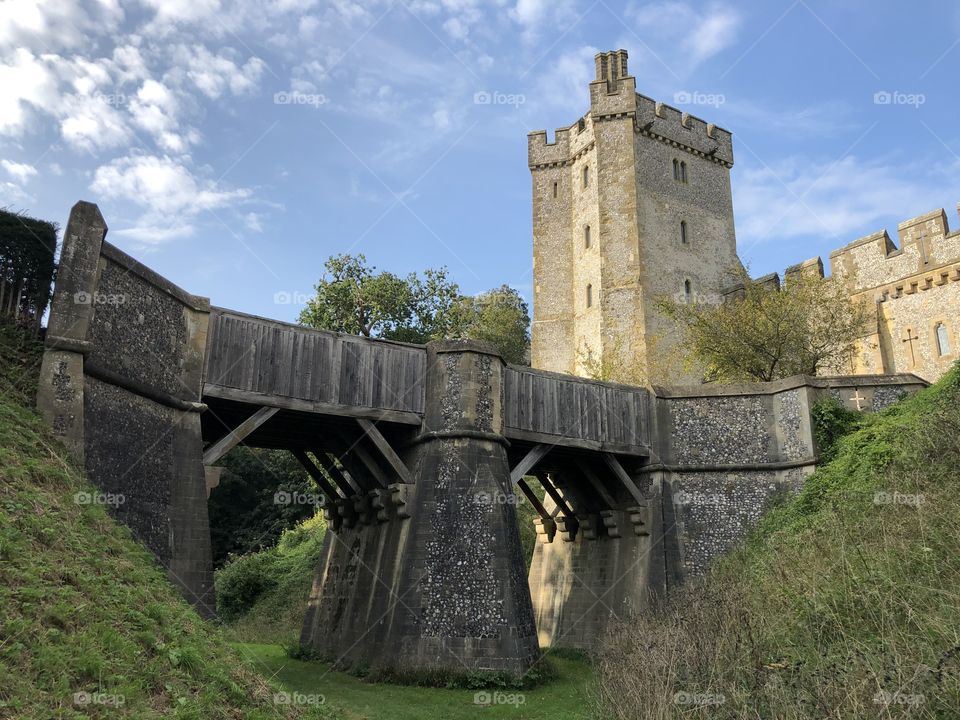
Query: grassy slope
<point x="839" y="606"/>
<point x="83" y="607"/>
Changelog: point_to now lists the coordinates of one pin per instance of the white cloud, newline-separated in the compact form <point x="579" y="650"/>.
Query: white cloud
<point x="50" y="25"/>
<point x="214" y="75"/>
<point x="682" y="35"/>
<point x="19" y="171"/>
<point x="170" y="195"/>
<point x="798" y="197"/>
<point x="252" y="221"/>
<point x="28" y="84"/>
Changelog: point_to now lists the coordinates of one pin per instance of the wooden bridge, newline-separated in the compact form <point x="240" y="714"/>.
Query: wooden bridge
<point x="416" y="450"/>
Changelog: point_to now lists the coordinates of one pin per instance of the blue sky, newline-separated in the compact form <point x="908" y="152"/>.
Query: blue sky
<point x="233" y="146"/>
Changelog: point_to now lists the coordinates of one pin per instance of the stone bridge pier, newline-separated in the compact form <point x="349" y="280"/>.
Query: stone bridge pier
<point x="432" y="574"/>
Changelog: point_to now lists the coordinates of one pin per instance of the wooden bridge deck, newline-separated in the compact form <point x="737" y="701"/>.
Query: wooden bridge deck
<point x="268" y="363"/>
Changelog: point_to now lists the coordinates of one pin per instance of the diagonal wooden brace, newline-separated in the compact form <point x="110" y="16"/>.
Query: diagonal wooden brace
<point x="220" y="448"/>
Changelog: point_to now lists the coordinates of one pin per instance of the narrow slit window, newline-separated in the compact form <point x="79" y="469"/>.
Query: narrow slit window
<point x="683" y="232"/>
<point x="943" y="340"/>
<point x="586" y="236"/>
<point x="687" y="291"/>
<point x="589" y="295"/>
<point x="676" y="169"/>
<point x="683" y="173"/>
<point x="555" y="185"/>
<point x="586" y="175"/>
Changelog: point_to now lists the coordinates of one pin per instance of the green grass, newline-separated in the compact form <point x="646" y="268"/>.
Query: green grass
<point x="566" y="697"/>
<point x="84" y="609"/>
<point x="845" y="598"/>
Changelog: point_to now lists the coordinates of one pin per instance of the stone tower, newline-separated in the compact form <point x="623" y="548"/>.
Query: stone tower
<point x="631" y="202"/>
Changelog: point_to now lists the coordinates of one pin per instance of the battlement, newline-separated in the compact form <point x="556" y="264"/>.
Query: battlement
<point x="925" y="243"/>
<point x="541" y="153"/>
<point x="682" y="129"/>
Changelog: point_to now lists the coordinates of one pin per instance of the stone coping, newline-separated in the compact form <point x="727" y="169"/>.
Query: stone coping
<point x="115" y="254"/>
<point x="790" y="383"/>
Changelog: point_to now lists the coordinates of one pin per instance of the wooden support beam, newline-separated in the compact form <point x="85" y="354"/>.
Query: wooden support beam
<point x="533" y="499"/>
<point x="353" y="469"/>
<point x="315" y="473"/>
<point x="399" y="467"/>
<point x="596" y="483"/>
<point x="624" y="478"/>
<point x="562" y="505"/>
<point x="530" y="460"/>
<point x="220" y="448"/>
<point x="343" y="480"/>
<point x="357" y="449"/>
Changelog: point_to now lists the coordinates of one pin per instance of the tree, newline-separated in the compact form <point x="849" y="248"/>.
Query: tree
<point x="500" y="317"/>
<point x="808" y="326"/>
<point x="352" y="297"/>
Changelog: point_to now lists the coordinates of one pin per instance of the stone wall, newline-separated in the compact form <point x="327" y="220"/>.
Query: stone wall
<point x="728" y="453"/>
<point x="121" y="384"/>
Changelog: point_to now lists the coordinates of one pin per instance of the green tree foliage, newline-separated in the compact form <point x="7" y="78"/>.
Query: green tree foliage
<point x="807" y="327"/>
<point x="353" y="297"/>
<point x="245" y="515"/>
<point x="27" y="248"/>
<point x="500" y="317"/>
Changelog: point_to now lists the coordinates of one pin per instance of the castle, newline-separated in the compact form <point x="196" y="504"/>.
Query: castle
<point x="633" y="202"/>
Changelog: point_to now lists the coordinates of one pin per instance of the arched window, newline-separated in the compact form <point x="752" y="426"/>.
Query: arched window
<point x="683" y="232"/>
<point x="555" y="184"/>
<point x="676" y="169"/>
<point x="586" y="175"/>
<point x="586" y="236"/>
<point x="589" y="295"/>
<point x="683" y="173"/>
<point x="943" y="340"/>
<point x="687" y="291"/>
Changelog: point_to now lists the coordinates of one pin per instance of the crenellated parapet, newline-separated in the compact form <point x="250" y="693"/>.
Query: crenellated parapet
<point x="683" y="130"/>
<point x="926" y="247"/>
